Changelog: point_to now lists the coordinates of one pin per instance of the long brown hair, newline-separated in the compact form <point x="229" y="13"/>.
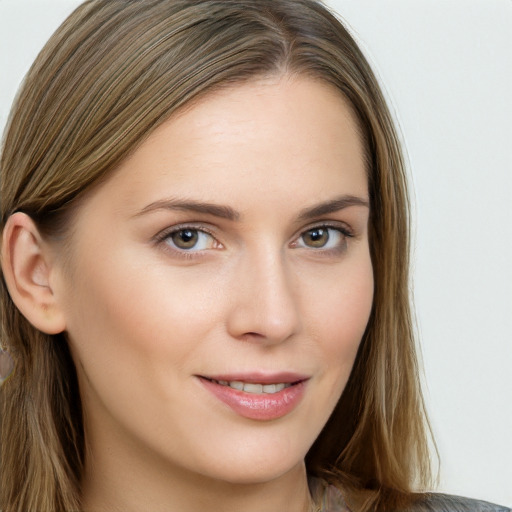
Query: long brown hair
<point x="110" y="75"/>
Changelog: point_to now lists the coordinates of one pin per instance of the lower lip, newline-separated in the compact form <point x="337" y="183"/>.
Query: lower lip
<point x="263" y="407"/>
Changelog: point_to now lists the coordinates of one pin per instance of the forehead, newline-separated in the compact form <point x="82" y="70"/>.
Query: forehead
<point x="274" y="139"/>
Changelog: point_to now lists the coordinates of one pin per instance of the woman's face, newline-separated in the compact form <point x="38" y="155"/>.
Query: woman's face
<point x="219" y="284"/>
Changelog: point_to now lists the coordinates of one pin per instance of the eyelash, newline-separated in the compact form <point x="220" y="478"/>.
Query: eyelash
<point x="163" y="237"/>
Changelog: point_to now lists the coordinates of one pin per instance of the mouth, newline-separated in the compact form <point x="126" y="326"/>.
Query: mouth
<point x="255" y="388"/>
<point x="258" y="397"/>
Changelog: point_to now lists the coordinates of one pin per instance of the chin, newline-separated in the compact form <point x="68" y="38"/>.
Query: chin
<point x="249" y="463"/>
<point x="257" y="474"/>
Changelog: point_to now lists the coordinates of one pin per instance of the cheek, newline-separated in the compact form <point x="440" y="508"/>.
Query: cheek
<point x="340" y="314"/>
<point x="134" y="321"/>
<point x="135" y="333"/>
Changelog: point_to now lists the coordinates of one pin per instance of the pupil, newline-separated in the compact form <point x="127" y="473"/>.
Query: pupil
<point x="317" y="234"/>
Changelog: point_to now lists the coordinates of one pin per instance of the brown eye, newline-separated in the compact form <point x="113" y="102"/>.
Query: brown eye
<point x="316" y="238"/>
<point x="191" y="240"/>
<point x="185" y="238"/>
<point x="324" y="238"/>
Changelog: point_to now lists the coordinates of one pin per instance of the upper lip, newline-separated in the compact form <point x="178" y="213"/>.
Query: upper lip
<point x="259" y="377"/>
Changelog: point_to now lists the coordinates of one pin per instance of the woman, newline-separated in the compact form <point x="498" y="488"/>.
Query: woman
<point x="204" y="257"/>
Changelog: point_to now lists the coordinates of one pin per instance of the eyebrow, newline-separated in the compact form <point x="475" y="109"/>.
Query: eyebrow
<point x="226" y="212"/>
<point x="332" y="206"/>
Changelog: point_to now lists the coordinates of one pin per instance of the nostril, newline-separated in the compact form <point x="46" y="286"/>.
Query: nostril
<point x="252" y="336"/>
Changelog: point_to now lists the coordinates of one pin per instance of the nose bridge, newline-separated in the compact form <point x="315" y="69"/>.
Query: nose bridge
<point x="266" y="304"/>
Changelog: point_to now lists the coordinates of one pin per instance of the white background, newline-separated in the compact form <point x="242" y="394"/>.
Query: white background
<point x="446" y="69"/>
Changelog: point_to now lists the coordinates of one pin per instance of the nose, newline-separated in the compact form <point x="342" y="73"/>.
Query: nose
<point x="265" y="302"/>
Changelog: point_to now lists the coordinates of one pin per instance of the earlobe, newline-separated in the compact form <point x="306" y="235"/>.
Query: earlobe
<point x="27" y="268"/>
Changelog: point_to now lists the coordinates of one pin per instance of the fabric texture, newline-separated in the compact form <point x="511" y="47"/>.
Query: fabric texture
<point x="330" y="499"/>
<point x="448" y="503"/>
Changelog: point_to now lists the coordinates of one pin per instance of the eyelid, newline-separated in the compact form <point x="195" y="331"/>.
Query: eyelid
<point x="164" y="233"/>
<point x="345" y="228"/>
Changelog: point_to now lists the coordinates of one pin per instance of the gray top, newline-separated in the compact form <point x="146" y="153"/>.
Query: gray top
<point x="448" y="503"/>
<point x="330" y="499"/>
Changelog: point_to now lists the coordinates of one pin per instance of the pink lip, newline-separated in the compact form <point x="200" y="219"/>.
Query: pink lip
<point x="263" y="406"/>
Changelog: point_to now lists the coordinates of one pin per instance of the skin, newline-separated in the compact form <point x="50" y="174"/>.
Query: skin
<point x="145" y="317"/>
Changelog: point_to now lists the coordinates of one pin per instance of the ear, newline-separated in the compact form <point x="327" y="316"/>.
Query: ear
<point x="27" y="265"/>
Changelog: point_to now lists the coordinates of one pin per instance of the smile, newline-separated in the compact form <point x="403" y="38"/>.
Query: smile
<point x="249" y="387"/>
<point x="255" y="400"/>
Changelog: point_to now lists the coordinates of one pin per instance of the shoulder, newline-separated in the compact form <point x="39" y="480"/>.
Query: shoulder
<point x="330" y="499"/>
<point x="433" y="502"/>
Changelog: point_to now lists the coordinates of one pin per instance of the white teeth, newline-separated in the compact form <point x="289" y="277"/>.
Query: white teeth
<point x="269" y="388"/>
<point x="254" y="388"/>
<point x="236" y="385"/>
